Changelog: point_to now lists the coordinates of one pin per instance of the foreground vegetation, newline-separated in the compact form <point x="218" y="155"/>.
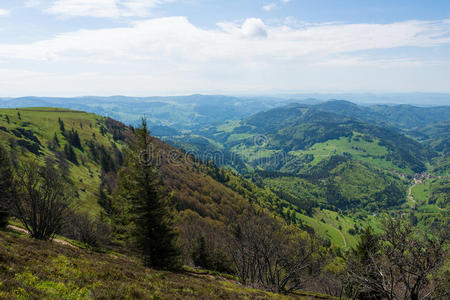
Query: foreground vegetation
<point x="31" y="269"/>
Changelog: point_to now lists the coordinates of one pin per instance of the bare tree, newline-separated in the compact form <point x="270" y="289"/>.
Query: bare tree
<point x="44" y="199"/>
<point x="87" y="229"/>
<point x="269" y="254"/>
<point x="398" y="264"/>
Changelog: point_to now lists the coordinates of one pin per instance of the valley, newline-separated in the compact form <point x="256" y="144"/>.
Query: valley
<point x="333" y="153"/>
<point x="330" y="176"/>
<point x="315" y="154"/>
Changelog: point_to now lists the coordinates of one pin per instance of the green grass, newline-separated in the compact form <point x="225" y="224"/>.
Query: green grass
<point x="326" y="224"/>
<point x="421" y="192"/>
<point x="228" y="126"/>
<point x="43" y="122"/>
<point x="239" y="137"/>
<point x="31" y="269"/>
<point x="431" y="194"/>
<point x="429" y="208"/>
<point x="324" y="230"/>
<point x="257" y="154"/>
<point x="358" y="147"/>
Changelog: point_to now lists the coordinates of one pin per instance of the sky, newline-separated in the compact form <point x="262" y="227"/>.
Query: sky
<point x="175" y="47"/>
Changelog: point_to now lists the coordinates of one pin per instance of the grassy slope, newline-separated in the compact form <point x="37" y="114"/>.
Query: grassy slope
<point x="43" y="122"/>
<point x="421" y="192"/>
<point x="360" y="149"/>
<point x="335" y="226"/>
<point x="426" y="193"/>
<point x="32" y="269"/>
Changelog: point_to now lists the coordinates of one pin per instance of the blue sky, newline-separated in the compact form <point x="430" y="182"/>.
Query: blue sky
<point x="172" y="47"/>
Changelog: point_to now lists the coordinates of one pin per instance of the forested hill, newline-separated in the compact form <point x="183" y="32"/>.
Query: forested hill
<point x="303" y="133"/>
<point x="398" y="116"/>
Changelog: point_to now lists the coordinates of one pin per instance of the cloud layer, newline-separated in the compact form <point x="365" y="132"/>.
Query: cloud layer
<point x="3" y="12"/>
<point x="173" y="53"/>
<point x="175" y="38"/>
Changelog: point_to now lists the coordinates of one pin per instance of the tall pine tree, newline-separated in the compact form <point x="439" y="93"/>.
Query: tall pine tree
<point x="141" y="187"/>
<point x="6" y="187"/>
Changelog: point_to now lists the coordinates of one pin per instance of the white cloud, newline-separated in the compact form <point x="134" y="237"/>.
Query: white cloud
<point x="103" y="8"/>
<point x="250" y="28"/>
<point x="32" y="3"/>
<point x="254" y="28"/>
<point x="285" y="1"/>
<point x="177" y="38"/>
<point x="172" y="54"/>
<point x="270" y="6"/>
<point x="4" y="12"/>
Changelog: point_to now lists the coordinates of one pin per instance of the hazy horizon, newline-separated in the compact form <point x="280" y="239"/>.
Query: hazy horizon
<point x="363" y="98"/>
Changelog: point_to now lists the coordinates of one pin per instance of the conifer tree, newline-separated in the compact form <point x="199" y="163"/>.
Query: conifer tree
<point x="141" y="186"/>
<point x="6" y="187"/>
<point x="61" y="125"/>
<point x="74" y="139"/>
<point x="56" y="140"/>
<point x="70" y="154"/>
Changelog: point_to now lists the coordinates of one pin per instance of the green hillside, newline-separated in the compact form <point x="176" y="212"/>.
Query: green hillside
<point x="293" y="137"/>
<point x="431" y="192"/>
<point x="436" y="136"/>
<point x="336" y="155"/>
<point x="342" y="162"/>
<point x="30" y="134"/>
<point x="201" y="189"/>
<point x="196" y="112"/>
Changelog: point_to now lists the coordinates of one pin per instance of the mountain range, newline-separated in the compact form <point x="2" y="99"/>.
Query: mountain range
<point x="313" y="158"/>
